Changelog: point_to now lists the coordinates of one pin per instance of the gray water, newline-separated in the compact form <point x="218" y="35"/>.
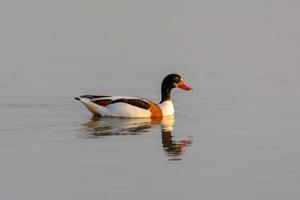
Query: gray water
<point x="235" y="136"/>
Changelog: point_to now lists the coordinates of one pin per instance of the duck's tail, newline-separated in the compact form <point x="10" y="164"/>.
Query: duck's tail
<point x="89" y="105"/>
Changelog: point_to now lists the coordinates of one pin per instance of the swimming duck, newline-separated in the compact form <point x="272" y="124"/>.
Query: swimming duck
<point x="134" y="107"/>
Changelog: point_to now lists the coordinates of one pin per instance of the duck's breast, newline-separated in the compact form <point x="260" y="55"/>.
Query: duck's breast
<point x="167" y="108"/>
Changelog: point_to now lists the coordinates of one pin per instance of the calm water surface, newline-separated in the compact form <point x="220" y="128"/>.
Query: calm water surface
<point x="235" y="136"/>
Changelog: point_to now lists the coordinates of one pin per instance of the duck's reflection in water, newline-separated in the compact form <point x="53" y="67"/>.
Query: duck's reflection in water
<point x="101" y="127"/>
<point x="173" y="148"/>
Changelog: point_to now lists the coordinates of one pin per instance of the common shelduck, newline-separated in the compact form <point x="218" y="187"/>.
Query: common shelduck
<point x="134" y="107"/>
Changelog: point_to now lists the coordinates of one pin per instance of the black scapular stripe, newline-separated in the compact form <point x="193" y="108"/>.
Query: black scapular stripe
<point x="93" y="96"/>
<point x="134" y="102"/>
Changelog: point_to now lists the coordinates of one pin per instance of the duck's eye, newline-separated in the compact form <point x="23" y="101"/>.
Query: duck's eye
<point x="176" y="79"/>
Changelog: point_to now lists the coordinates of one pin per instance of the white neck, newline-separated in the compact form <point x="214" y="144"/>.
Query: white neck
<point x="167" y="108"/>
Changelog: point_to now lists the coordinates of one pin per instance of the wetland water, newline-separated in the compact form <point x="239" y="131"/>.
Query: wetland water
<point x="235" y="136"/>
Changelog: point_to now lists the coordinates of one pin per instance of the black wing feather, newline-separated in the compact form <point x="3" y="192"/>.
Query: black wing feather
<point x="93" y="96"/>
<point x="134" y="102"/>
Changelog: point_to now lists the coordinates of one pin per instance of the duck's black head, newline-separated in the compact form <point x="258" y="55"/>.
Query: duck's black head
<point x="172" y="81"/>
